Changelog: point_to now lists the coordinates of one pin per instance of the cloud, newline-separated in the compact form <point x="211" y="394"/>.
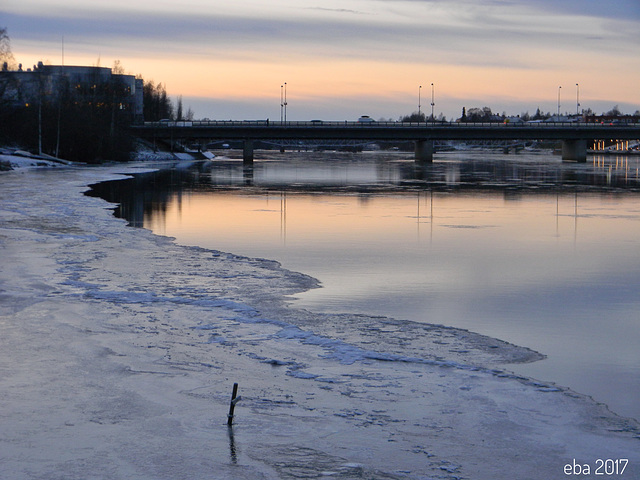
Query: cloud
<point x="464" y="22"/>
<point x="337" y="10"/>
<point x="476" y="36"/>
<point x="479" y="49"/>
<point x="617" y="9"/>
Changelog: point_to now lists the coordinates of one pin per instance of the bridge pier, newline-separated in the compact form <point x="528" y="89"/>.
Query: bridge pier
<point x="574" y="150"/>
<point x="247" y="152"/>
<point x="424" y="151"/>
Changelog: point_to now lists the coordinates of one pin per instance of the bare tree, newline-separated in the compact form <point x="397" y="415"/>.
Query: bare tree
<point x="6" y="57"/>
<point x="117" y="68"/>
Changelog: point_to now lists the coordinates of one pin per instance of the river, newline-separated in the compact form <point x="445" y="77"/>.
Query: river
<point x="524" y="248"/>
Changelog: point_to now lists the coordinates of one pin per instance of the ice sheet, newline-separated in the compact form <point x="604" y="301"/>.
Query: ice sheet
<point x="119" y="350"/>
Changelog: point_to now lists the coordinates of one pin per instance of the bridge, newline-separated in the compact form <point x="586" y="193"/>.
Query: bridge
<point x="573" y="135"/>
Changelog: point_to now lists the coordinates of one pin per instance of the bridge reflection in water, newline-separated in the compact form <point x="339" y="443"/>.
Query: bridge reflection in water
<point x="371" y="173"/>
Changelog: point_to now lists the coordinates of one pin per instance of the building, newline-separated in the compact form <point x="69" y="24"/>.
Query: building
<point x="82" y="84"/>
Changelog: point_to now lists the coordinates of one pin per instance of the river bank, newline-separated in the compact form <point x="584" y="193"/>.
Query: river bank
<point x="120" y="349"/>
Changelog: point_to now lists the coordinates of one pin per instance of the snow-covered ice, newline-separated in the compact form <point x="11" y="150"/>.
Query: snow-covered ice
<point x="119" y="350"/>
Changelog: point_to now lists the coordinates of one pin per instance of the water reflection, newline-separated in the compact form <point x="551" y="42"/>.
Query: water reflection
<point x="524" y="248"/>
<point x="233" y="454"/>
<point x="149" y="193"/>
<point x="452" y="171"/>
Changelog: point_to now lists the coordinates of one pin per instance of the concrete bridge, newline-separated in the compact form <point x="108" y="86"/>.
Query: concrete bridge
<point x="573" y="135"/>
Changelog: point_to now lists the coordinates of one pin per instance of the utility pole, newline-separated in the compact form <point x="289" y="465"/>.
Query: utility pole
<point x="559" y="89"/>
<point x="432" y="102"/>
<point x="285" y="102"/>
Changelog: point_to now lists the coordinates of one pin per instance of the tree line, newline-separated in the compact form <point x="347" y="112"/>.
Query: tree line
<point x="486" y="115"/>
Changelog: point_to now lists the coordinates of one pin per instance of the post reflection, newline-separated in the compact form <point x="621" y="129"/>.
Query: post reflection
<point x="424" y="215"/>
<point x="247" y="175"/>
<point x="233" y="454"/>
<point x="283" y="217"/>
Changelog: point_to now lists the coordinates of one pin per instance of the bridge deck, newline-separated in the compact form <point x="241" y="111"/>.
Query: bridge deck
<point x="574" y="136"/>
<point x="264" y="129"/>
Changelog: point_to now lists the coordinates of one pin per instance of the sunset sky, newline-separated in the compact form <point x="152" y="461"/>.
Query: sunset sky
<point x="342" y="59"/>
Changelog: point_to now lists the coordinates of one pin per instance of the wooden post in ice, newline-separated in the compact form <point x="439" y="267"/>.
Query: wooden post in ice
<point x="232" y="405"/>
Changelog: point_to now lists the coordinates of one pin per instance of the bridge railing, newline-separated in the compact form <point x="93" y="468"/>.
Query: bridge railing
<point x="355" y="124"/>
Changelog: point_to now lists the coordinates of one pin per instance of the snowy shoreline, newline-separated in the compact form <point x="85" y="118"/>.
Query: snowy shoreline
<point x="119" y="350"/>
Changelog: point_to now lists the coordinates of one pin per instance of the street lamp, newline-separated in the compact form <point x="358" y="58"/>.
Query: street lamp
<point x="432" y="102"/>
<point x="559" y="88"/>
<point x="285" y="101"/>
<point x="419" y="103"/>
<point x="577" y="99"/>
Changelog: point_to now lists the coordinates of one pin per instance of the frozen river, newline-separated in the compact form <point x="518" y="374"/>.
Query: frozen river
<point x="526" y="249"/>
<point x="119" y="349"/>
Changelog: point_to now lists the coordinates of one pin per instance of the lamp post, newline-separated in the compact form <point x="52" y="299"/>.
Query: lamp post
<point x="419" y="103"/>
<point x="285" y="102"/>
<point x="432" y="102"/>
<point x="559" y="88"/>
<point x="577" y="99"/>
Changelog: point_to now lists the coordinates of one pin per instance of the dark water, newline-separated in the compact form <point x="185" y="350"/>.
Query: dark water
<point x="525" y="248"/>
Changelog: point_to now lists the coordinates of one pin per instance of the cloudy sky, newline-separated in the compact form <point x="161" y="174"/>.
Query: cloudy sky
<point x="344" y="58"/>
